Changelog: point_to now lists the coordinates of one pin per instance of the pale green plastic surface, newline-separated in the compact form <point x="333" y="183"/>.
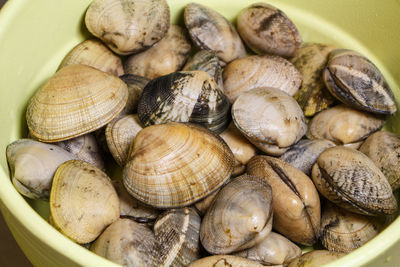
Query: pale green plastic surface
<point x="36" y="34"/>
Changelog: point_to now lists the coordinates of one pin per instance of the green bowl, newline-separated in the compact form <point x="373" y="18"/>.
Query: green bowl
<point x="35" y="36"/>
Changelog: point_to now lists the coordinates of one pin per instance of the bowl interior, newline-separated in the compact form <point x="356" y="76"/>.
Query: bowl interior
<point x="40" y="33"/>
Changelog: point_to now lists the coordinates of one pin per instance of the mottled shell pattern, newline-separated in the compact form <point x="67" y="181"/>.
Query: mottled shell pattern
<point x="244" y="74"/>
<point x="209" y="30"/>
<point x="351" y="180"/>
<point x="78" y="99"/>
<point x="186" y="96"/>
<point x="166" y="56"/>
<point x="94" y="53"/>
<point x="239" y="217"/>
<point x="128" y="26"/>
<point x="267" y="30"/>
<point x="83" y="201"/>
<point x="316" y="258"/>
<point x="175" y="165"/>
<point x="269" y="118"/>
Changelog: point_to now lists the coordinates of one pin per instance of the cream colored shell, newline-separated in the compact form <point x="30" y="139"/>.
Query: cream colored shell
<point x="78" y="99"/>
<point x="175" y="165"/>
<point x="225" y="261"/>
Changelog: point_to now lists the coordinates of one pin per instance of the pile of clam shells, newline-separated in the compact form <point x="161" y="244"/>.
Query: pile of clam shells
<point x="234" y="157"/>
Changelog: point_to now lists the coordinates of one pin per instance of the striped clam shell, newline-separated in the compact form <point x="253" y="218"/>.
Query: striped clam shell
<point x="135" y="85"/>
<point x="187" y="96"/>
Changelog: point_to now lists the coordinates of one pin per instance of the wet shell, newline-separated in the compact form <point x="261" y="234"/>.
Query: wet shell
<point x="239" y="217"/>
<point x="166" y="56"/>
<point x="128" y="243"/>
<point x="274" y="249"/>
<point x="269" y="118"/>
<point x="203" y="205"/>
<point x="383" y="148"/>
<point x="135" y="87"/>
<point x="94" y="53"/>
<point x="343" y="125"/>
<point x="175" y="165"/>
<point x="267" y="30"/>
<point x="311" y="60"/>
<point x="209" y="30"/>
<point x="350" y="180"/>
<point x="120" y="134"/>
<point x="85" y="148"/>
<point x="357" y="82"/>
<point x="305" y="153"/>
<point x="343" y="231"/>
<point x="78" y="99"/>
<point x="240" y="146"/>
<point x="177" y="232"/>
<point x="251" y="72"/>
<point x="83" y="201"/>
<point x="208" y="61"/>
<point x="187" y="96"/>
<point x="297" y="210"/>
<point x="316" y="258"/>
<point x="128" y="26"/>
<point x="32" y="166"/>
<point x="225" y="260"/>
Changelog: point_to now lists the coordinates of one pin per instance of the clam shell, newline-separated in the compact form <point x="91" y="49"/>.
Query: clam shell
<point x="269" y="118"/>
<point x="267" y="30"/>
<point x="349" y="179"/>
<point x="166" y="56"/>
<point x="244" y="74"/>
<point x="316" y="258"/>
<point x="135" y="87"/>
<point x="239" y="217"/>
<point x="83" y="201"/>
<point x="209" y="30"/>
<point x="305" y="153"/>
<point x="225" y="260"/>
<point x="274" y="249"/>
<point x="357" y="82"/>
<point x="78" y="99"/>
<point x="203" y="205"/>
<point x="187" y="96"/>
<point x="120" y="134"/>
<point x="297" y="210"/>
<point x="128" y="26"/>
<point x="311" y="60"/>
<point x="343" y="231"/>
<point x="383" y="148"/>
<point x="86" y="148"/>
<point x="94" y="53"/>
<point x="175" y="165"/>
<point x="32" y="166"/>
<point x="343" y="125"/>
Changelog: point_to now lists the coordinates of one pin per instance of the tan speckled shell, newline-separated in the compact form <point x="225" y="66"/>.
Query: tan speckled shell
<point x="175" y="165"/>
<point x="225" y="261"/>
<point x="83" y="201"/>
<point x="94" y="53"/>
<point x="316" y="258"/>
<point x="78" y="99"/>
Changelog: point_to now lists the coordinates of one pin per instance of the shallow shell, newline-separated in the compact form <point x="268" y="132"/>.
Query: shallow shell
<point x="239" y="217"/>
<point x="269" y="118"/>
<point x="128" y="26"/>
<point x="267" y="30"/>
<point x="78" y="99"/>
<point x="175" y="165"/>
<point x="244" y="74"/>
<point x="311" y="60"/>
<point x="32" y="166"/>
<point x="297" y="209"/>
<point x="225" y="260"/>
<point x="343" y="125"/>
<point x="94" y="53"/>
<point x="186" y="96"/>
<point x="209" y="30"/>
<point x="349" y="179"/>
<point x="166" y="56"/>
<point x="83" y="201"/>
<point x="135" y="87"/>
<point x="357" y="82"/>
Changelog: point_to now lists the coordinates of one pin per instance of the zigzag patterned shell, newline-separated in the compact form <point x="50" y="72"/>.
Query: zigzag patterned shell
<point x="78" y="99"/>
